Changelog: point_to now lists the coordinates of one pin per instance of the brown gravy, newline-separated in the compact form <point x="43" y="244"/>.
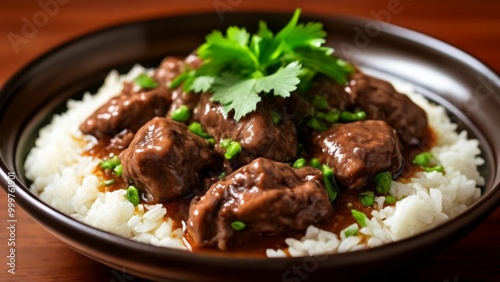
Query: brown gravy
<point x="246" y="244"/>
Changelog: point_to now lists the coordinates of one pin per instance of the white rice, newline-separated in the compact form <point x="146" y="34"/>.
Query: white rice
<point x="64" y="179"/>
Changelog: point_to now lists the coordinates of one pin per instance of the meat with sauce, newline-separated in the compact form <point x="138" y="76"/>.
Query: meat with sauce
<point x="268" y="197"/>
<point x="332" y="92"/>
<point x="257" y="133"/>
<point x="123" y="115"/>
<point x="175" y="66"/>
<point x="128" y="111"/>
<point x="381" y="101"/>
<point x="357" y="151"/>
<point x="165" y="160"/>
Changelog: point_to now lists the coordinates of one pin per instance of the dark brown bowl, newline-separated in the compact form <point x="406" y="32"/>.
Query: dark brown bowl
<point x="465" y="86"/>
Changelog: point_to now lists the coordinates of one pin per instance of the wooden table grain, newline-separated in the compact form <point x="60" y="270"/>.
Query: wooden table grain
<point x="473" y="26"/>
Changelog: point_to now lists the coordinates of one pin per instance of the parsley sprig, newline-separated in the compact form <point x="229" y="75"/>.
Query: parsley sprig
<point x="238" y="67"/>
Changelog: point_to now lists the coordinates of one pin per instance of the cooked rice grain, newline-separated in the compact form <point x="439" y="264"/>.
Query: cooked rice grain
<point x="64" y="179"/>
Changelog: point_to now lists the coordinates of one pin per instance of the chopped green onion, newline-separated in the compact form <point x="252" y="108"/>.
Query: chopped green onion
<point x="132" y="195"/>
<point x="225" y="143"/>
<point x="361" y="115"/>
<point x="428" y="162"/>
<point x="349" y="116"/>
<point x="383" y="182"/>
<point x="110" y="163"/>
<point x="232" y="150"/>
<point x="232" y="147"/>
<point x="211" y="141"/>
<point x="109" y="182"/>
<point x="423" y="159"/>
<point x="330" y="185"/>
<point x="299" y="163"/>
<point x="360" y="217"/>
<point x="276" y="118"/>
<point x="390" y="199"/>
<point x="196" y="128"/>
<point x="316" y="124"/>
<point x="181" y="114"/>
<point x="349" y="231"/>
<point x="176" y="82"/>
<point x="314" y="162"/>
<point x="331" y="116"/>
<point x="145" y="81"/>
<point x="367" y="198"/>
<point x="118" y="170"/>
<point x="238" y="225"/>
<point x="438" y="168"/>
<point x="320" y="103"/>
<point x="222" y="175"/>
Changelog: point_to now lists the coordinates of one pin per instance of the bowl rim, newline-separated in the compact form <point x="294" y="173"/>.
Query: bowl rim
<point x="40" y="211"/>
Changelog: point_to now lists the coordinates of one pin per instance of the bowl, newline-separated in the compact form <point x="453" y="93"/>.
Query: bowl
<point x="466" y="87"/>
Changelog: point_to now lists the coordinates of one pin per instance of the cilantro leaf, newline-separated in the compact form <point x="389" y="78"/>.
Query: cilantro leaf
<point x="235" y="93"/>
<point x="202" y="83"/>
<point x="238" y="67"/>
<point x="283" y="81"/>
<point x="242" y="95"/>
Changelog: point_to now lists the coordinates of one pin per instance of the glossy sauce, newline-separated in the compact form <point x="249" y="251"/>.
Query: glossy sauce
<point x="249" y="244"/>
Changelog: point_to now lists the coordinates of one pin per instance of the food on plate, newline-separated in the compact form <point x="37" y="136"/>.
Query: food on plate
<point x="260" y="144"/>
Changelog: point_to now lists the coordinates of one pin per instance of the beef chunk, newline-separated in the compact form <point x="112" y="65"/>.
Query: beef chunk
<point x="165" y="159"/>
<point x="127" y="111"/>
<point x="134" y="106"/>
<point x="256" y="132"/>
<point x="381" y="101"/>
<point x="168" y="69"/>
<point x="173" y="67"/>
<point x="269" y="197"/>
<point x="358" y="151"/>
<point x="331" y="91"/>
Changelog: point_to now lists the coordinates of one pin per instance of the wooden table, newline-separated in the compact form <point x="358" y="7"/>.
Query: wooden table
<point x="472" y="26"/>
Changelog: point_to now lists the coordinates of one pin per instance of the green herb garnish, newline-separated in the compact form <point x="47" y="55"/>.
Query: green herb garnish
<point x="331" y="116"/>
<point x="367" y="198"/>
<point x="314" y="162"/>
<point x="196" y="128"/>
<point x="360" y="217"/>
<point x="346" y="116"/>
<point x="423" y="159"/>
<point x="350" y="230"/>
<point x="299" y="163"/>
<point x="232" y="147"/>
<point x="109" y="182"/>
<point x="320" y="103"/>
<point x="276" y="117"/>
<point x="390" y="199"/>
<point x="239" y="67"/>
<point x="181" y="114"/>
<point x="383" y="181"/>
<point x="316" y="124"/>
<point x="238" y="225"/>
<point x="145" y="81"/>
<point x="428" y="162"/>
<point x="118" y="170"/>
<point x="110" y="163"/>
<point x="222" y="175"/>
<point x="132" y="195"/>
<point x="330" y="184"/>
<point x="232" y="150"/>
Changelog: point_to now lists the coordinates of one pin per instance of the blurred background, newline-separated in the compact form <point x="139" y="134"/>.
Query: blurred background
<point x="28" y="28"/>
